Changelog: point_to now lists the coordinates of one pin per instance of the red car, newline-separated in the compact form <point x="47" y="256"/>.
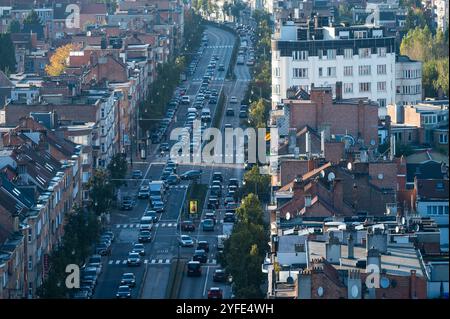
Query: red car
<point x="215" y="293"/>
<point x="187" y="226"/>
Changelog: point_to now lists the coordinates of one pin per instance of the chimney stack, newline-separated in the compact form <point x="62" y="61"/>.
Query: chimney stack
<point x="354" y="284"/>
<point x="350" y="246"/>
<point x="304" y="284"/>
<point x="292" y="142"/>
<point x="308" y="200"/>
<point x="333" y="249"/>
<point x="322" y="143"/>
<point x="378" y="239"/>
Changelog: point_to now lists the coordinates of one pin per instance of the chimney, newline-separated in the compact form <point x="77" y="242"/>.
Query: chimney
<point x="308" y="200"/>
<point x="373" y="260"/>
<point x="354" y="284"/>
<point x="350" y="246"/>
<point x="378" y="239"/>
<point x="15" y="223"/>
<point x="413" y="284"/>
<point x="311" y="165"/>
<point x="304" y="284"/>
<point x="292" y="142"/>
<point x="333" y="250"/>
<point x="316" y="22"/>
<point x="339" y="91"/>
<point x="338" y="195"/>
<point x="322" y="143"/>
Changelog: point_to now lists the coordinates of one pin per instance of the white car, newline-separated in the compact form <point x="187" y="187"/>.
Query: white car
<point x="185" y="99"/>
<point x="186" y="241"/>
<point x="233" y="100"/>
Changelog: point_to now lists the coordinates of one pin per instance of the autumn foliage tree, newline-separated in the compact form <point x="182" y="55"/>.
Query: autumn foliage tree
<point x="58" y="61"/>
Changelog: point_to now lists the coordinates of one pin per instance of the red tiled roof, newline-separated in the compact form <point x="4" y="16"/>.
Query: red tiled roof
<point x="432" y="188"/>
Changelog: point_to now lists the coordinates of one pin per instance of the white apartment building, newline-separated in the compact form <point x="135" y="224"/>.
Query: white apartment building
<point x="408" y="81"/>
<point x="361" y="57"/>
<point x="441" y="12"/>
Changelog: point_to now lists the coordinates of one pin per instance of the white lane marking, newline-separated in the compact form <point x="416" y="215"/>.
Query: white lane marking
<point x="110" y="262"/>
<point x="153" y="261"/>
<point x="146" y="261"/>
<point x="117" y="262"/>
<point x="160" y="261"/>
<point x="167" y="261"/>
<point x="124" y="262"/>
<point x="206" y="280"/>
<point x="118" y="226"/>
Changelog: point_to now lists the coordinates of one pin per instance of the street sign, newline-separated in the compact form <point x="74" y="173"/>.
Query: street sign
<point x="193" y="206"/>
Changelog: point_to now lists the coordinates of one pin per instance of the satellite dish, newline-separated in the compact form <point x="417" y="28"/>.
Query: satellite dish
<point x="322" y="173"/>
<point x="320" y="291"/>
<point x="349" y="166"/>
<point x="384" y="282"/>
<point x="355" y="291"/>
<point x="403" y="220"/>
<point x="372" y="142"/>
<point x="380" y="176"/>
<point x="288" y="216"/>
<point x="290" y="280"/>
<point x="397" y="229"/>
<point x="331" y="177"/>
<point x="417" y="227"/>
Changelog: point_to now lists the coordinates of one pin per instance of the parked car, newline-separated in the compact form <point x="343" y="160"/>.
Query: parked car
<point x="215" y="293"/>
<point x="133" y="259"/>
<point x="186" y="241"/>
<point x="200" y="255"/>
<point x="208" y="225"/>
<point x="103" y="249"/>
<point x="144" y="236"/>
<point x="194" y="268"/>
<point x="123" y="292"/>
<point x="128" y="279"/>
<point x="187" y="225"/>
<point x="219" y="275"/>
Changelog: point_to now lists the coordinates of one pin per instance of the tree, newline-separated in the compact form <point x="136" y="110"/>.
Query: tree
<point x="417" y="43"/>
<point x="101" y="192"/>
<point x="441" y="82"/>
<point x="250" y="210"/>
<point x="58" y="60"/>
<point x="118" y="170"/>
<point x="32" y="23"/>
<point x="7" y="54"/>
<point x="429" y="74"/>
<point x="14" y="26"/>
<point x="256" y="183"/>
<point x="259" y="113"/>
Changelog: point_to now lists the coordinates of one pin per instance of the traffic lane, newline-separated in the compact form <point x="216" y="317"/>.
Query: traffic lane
<point x="174" y="201"/>
<point x="155" y="283"/>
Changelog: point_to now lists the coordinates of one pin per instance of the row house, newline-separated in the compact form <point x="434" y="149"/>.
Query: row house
<point x="37" y="191"/>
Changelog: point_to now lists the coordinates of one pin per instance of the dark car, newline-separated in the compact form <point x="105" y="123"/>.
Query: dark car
<point x="219" y="276"/>
<point x="221" y="67"/>
<point x="187" y="226"/>
<point x="203" y="244"/>
<point x="144" y="236"/>
<point x="200" y="255"/>
<point x="243" y="114"/>
<point x="136" y="174"/>
<point x="164" y="147"/>
<point x="192" y="174"/>
<point x="152" y="214"/>
<point x="229" y="112"/>
<point x="133" y="259"/>
<point x="139" y="248"/>
<point x="217" y="176"/>
<point x="233" y="182"/>
<point x="123" y="292"/>
<point x="229" y="218"/>
<point x="213" y="202"/>
<point x="128" y="279"/>
<point x="194" y="269"/>
<point x="127" y="203"/>
<point x="158" y="207"/>
<point x="103" y="249"/>
<point x="212" y="100"/>
<point x="173" y="179"/>
<point x="215" y="293"/>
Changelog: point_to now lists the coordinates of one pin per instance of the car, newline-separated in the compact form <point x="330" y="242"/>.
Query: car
<point x="186" y="241"/>
<point x="216" y="191"/>
<point x="243" y="107"/>
<point x="128" y="279"/>
<point x="89" y="275"/>
<point x="103" y="249"/>
<point x="144" y="192"/>
<point x="133" y="259"/>
<point x="139" y="248"/>
<point x="158" y="207"/>
<point x="173" y="179"/>
<point x="233" y="182"/>
<point x="233" y="100"/>
<point x="110" y="234"/>
<point x="208" y="225"/>
<point x="200" y="255"/>
<point x="213" y="202"/>
<point x="123" y="292"/>
<point x="127" y="203"/>
<point x="219" y="276"/>
<point x="187" y="225"/>
<point x="221" y="67"/>
<point x="211" y="216"/>
<point x="164" y="147"/>
<point x="203" y="244"/>
<point x="185" y="99"/>
<point x="152" y="214"/>
<point x="136" y="174"/>
<point x="95" y="261"/>
<point x="217" y="176"/>
<point x="229" y="112"/>
<point x="192" y="174"/>
<point x="229" y="218"/>
<point x="228" y="125"/>
<point x="144" y="236"/>
<point x="243" y="114"/>
<point x="105" y="239"/>
<point x="215" y="293"/>
<point x="229" y="199"/>
<point x="212" y="100"/>
<point x="194" y="268"/>
<point x="81" y="294"/>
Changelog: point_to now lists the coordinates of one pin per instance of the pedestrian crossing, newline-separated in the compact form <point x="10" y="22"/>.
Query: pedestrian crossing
<point x="219" y="46"/>
<point x="159" y="261"/>
<point x="154" y="225"/>
<point x="216" y="78"/>
<point x="178" y="186"/>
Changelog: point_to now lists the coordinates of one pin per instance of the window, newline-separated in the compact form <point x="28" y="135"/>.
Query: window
<point x="443" y="138"/>
<point x="364" y="70"/>
<point x="277" y="89"/>
<point x="331" y="54"/>
<point x="30" y="263"/>
<point x="299" y="55"/>
<point x="381" y="86"/>
<point x="103" y="113"/>
<point x="348" y="53"/>
<point x="381" y="51"/>
<point x="331" y="71"/>
<point x="381" y="102"/>
<point x="398" y="89"/>
<point x="320" y="72"/>
<point x="360" y="34"/>
<point x="300" y="73"/>
<point x="364" y="87"/>
<point x="348" y="70"/>
<point x="381" y="69"/>
<point x="277" y="72"/>
<point x="364" y="53"/>
<point x="29" y="235"/>
<point x="409" y="136"/>
<point x="348" y="87"/>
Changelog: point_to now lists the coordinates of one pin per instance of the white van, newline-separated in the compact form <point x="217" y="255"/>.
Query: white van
<point x="192" y="110"/>
<point x="146" y="223"/>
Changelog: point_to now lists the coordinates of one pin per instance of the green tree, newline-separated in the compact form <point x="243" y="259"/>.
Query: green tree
<point x="101" y="192"/>
<point x="7" y="54"/>
<point x="259" y="113"/>
<point x="417" y="43"/>
<point x="441" y="82"/>
<point x="32" y="23"/>
<point x="256" y="183"/>
<point x="14" y="26"/>
<point x="118" y="170"/>
<point x="429" y="76"/>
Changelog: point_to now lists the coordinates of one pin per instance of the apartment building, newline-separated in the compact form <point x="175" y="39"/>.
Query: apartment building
<point x="361" y="57"/>
<point x="408" y="81"/>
